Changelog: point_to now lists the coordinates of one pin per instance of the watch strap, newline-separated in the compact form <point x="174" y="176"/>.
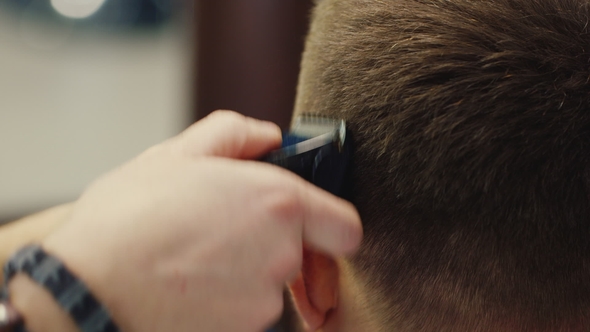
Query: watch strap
<point x="68" y="291"/>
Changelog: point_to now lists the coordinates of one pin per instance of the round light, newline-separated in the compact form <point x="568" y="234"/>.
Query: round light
<point x="77" y="8"/>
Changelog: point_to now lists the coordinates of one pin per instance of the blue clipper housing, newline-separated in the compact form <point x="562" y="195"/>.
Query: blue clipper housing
<point x="318" y="149"/>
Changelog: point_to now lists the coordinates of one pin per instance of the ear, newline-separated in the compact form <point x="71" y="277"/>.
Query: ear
<point x="315" y="290"/>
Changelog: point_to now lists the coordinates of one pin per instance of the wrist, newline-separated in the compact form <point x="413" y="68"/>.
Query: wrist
<point x="30" y="229"/>
<point x="38" y="308"/>
<point x="89" y="264"/>
<point x="53" y="285"/>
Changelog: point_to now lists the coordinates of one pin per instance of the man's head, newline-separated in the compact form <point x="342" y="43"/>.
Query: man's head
<point x="471" y="168"/>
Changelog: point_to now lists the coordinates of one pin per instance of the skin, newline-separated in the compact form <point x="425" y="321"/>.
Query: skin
<point x="30" y="229"/>
<point x="331" y="297"/>
<point x="192" y="232"/>
<point x="355" y="309"/>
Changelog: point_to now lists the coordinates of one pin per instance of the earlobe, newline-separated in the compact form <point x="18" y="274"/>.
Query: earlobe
<point x="315" y="290"/>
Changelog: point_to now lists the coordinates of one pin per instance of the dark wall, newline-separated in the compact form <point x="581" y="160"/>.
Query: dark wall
<point x="248" y="54"/>
<point x="247" y="60"/>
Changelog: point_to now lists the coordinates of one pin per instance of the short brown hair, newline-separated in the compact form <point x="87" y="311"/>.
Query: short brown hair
<point x="471" y="170"/>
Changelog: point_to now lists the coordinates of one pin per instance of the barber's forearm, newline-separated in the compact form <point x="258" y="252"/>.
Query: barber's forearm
<point x="33" y="228"/>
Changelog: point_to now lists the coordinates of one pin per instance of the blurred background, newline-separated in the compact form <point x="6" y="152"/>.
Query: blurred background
<point x="87" y="84"/>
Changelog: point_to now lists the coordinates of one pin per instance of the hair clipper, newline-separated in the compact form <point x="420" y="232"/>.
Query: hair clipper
<point x="316" y="148"/>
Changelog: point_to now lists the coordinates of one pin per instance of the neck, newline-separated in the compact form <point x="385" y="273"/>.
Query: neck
<point x="361" y="308"/>
<point x="356" y="310"/>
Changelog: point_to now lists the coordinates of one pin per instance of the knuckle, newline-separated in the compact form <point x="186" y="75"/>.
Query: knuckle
<point x="230" y="118"/>
<point x="234" y="123"/>
<point x="286" y="204"/>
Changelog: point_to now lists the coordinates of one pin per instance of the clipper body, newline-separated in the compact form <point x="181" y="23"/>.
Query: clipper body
<point x="317" y="149"/>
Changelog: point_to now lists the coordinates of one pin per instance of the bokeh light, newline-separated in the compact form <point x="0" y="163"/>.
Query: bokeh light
<point x="77" y="9"/>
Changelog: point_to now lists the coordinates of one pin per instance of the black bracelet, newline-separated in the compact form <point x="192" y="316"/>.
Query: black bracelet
<point x="69" y="292"/>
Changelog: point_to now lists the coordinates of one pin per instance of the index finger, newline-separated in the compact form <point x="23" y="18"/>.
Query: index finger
<point x="229" y="134"/>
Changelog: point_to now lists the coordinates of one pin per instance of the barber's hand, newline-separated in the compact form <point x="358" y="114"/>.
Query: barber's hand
<point x="193" y="236"/>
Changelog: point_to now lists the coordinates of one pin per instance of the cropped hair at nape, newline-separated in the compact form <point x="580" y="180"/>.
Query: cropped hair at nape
<point x="472" y="161"/>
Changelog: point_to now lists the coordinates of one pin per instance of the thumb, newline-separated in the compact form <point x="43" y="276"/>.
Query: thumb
<point x="228" y="134"/>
